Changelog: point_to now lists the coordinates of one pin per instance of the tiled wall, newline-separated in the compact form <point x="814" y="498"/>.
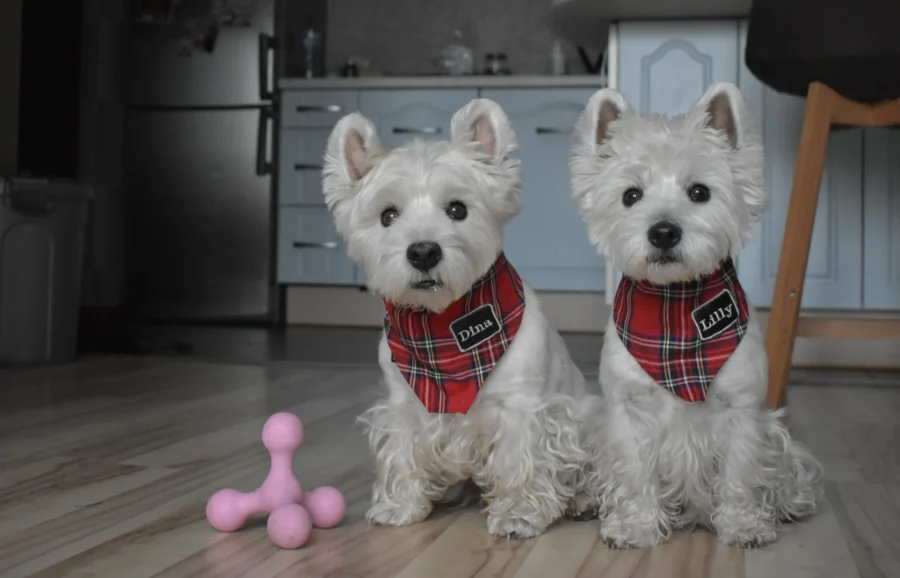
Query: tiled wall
<point x="404" y="36"/>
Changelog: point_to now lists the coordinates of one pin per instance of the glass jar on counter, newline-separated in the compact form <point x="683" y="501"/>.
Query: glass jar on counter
<point x="496" y="64"/>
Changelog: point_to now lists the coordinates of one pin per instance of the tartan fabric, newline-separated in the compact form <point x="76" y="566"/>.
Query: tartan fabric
<point x="424" y="347"/>
<point x="658" y="327"/>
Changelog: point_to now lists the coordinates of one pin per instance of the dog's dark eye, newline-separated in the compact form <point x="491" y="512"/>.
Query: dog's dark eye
<point x="457" y="211"/>
<point x="632" y="196"/>
<point x="388" y="216"/>
<point x="698" y="193"/>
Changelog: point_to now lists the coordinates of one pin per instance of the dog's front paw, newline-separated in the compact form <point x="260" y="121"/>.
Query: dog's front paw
<point x="511" y="527"/>
<point x="744" y="528"/>
<point x="412" y="512"/>
<point x="619" y="532"/>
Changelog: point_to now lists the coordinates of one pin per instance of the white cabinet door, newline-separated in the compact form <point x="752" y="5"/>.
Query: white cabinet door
<point x="833" y="274"/>
<point x="547" y="242"/>
<point x="664" y="67"/>
<point x="881" y="281"/>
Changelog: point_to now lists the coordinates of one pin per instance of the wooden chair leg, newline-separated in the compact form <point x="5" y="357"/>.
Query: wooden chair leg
<point x="801" y="216"/>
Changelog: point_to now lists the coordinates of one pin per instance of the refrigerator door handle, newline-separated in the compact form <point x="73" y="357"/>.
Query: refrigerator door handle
<point x="266" y="45"/>
<point x="263" y="166"/>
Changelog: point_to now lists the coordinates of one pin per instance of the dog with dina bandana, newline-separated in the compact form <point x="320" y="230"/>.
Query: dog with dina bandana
<point x="688" y="440"/>
<point x="480" y="390"/>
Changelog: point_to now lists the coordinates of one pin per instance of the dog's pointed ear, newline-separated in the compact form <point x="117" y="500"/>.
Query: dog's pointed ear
<point x="353" y="150"/>
<point x="604" y="107"/>
<point x="484" y="123"/>
<point x="725" y="110"/>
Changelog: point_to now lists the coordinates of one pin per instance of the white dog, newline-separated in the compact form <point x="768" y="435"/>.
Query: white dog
<point x="670" y="202"/>
<point x="426" y="223"/>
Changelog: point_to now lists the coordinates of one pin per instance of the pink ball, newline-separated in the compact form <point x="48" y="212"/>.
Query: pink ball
<point x="283" y="432"/>
<point x="326" y="506"/>
<point x="289" y="526"/>
<point x="224" y="511"/>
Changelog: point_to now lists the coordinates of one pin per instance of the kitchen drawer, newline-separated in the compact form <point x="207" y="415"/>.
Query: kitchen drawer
<point x="300" y="171"/>
<point x="316" y="108"/>
<point x="400" y="116"/>
<point x="310" y="251"/>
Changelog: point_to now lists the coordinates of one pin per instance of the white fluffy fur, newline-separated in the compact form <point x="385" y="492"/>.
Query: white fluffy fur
<point x="728" y="463"/>
<point x="521" y="442"/>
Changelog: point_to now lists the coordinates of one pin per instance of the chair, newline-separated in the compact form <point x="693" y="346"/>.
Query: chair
<point x="845" y="58"/>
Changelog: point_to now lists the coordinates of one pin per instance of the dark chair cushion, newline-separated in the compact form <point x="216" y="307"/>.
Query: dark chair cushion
<point x="853" y="46"/>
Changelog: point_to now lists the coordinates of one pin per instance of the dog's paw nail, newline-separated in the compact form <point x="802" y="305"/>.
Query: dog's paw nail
<point x="751" y="541"/>
<point x="754" y="542"/>
<point x="614" y="544"/>
<point x="388" y="516"/>
<point x="514" y="529"/>
<point x="585" y="516"/>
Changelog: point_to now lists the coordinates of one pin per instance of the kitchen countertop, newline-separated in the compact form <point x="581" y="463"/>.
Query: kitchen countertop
<point x="586" y="22"/>
<point x="617" y="10"/>
<point x="388" y="82"/>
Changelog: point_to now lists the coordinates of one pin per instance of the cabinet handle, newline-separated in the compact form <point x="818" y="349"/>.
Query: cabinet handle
<point x="266" y="46"/>
<point x="424" y="130"/>
<point x="263" y="165"/>
<point x="306" y="167"/>
<point x="319" y="108"/>
<point x="308" y="245"/>
<point x="547" y="130"/>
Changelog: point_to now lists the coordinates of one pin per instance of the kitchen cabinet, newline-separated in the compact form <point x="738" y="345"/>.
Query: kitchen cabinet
<point x="547" y="242"/>
<point x="664" y="67"/>
<point x="301" y="154"/>
<point x="833" y="279"/>
<point x="313" y="108"/>
<point x="881" y="273"/>
<point x="402" y="115"/>
<point x="310" y="250"/>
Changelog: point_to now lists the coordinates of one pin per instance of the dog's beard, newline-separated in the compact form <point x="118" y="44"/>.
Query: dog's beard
<point x="434" y="290"/>
<point x="664" y="259"/>
<point x="427" y="282"/>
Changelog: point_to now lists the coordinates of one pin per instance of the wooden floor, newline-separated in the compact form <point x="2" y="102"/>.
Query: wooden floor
<point x="106" y="465"/>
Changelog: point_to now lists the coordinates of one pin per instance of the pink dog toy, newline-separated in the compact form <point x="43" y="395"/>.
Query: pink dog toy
<point x="292" y="512"/>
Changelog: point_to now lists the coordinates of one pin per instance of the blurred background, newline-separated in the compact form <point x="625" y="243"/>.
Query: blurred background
<point x="159" y="128"/>
<point x="161" y="164"/>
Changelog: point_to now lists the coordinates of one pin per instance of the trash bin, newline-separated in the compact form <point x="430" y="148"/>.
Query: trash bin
<point x="42" y="239"/>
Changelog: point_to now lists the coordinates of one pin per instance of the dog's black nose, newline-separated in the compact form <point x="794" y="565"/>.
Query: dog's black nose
<point x="664" y="235"/>
<point x="424" y="255"/>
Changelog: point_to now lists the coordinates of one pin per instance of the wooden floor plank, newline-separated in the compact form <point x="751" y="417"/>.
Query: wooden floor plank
<point x="106" y="466"/>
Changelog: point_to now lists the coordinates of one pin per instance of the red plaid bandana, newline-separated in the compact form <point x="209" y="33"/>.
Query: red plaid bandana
<point x="682" y="334"/>
<point x="446" y="357"/>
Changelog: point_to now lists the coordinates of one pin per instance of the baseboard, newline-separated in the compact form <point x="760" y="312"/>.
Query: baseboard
<point x="843" y="353"/>
<point x="343" y="306"/>
<point x="105" y="330"/>
<point x="572" y="312"/>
